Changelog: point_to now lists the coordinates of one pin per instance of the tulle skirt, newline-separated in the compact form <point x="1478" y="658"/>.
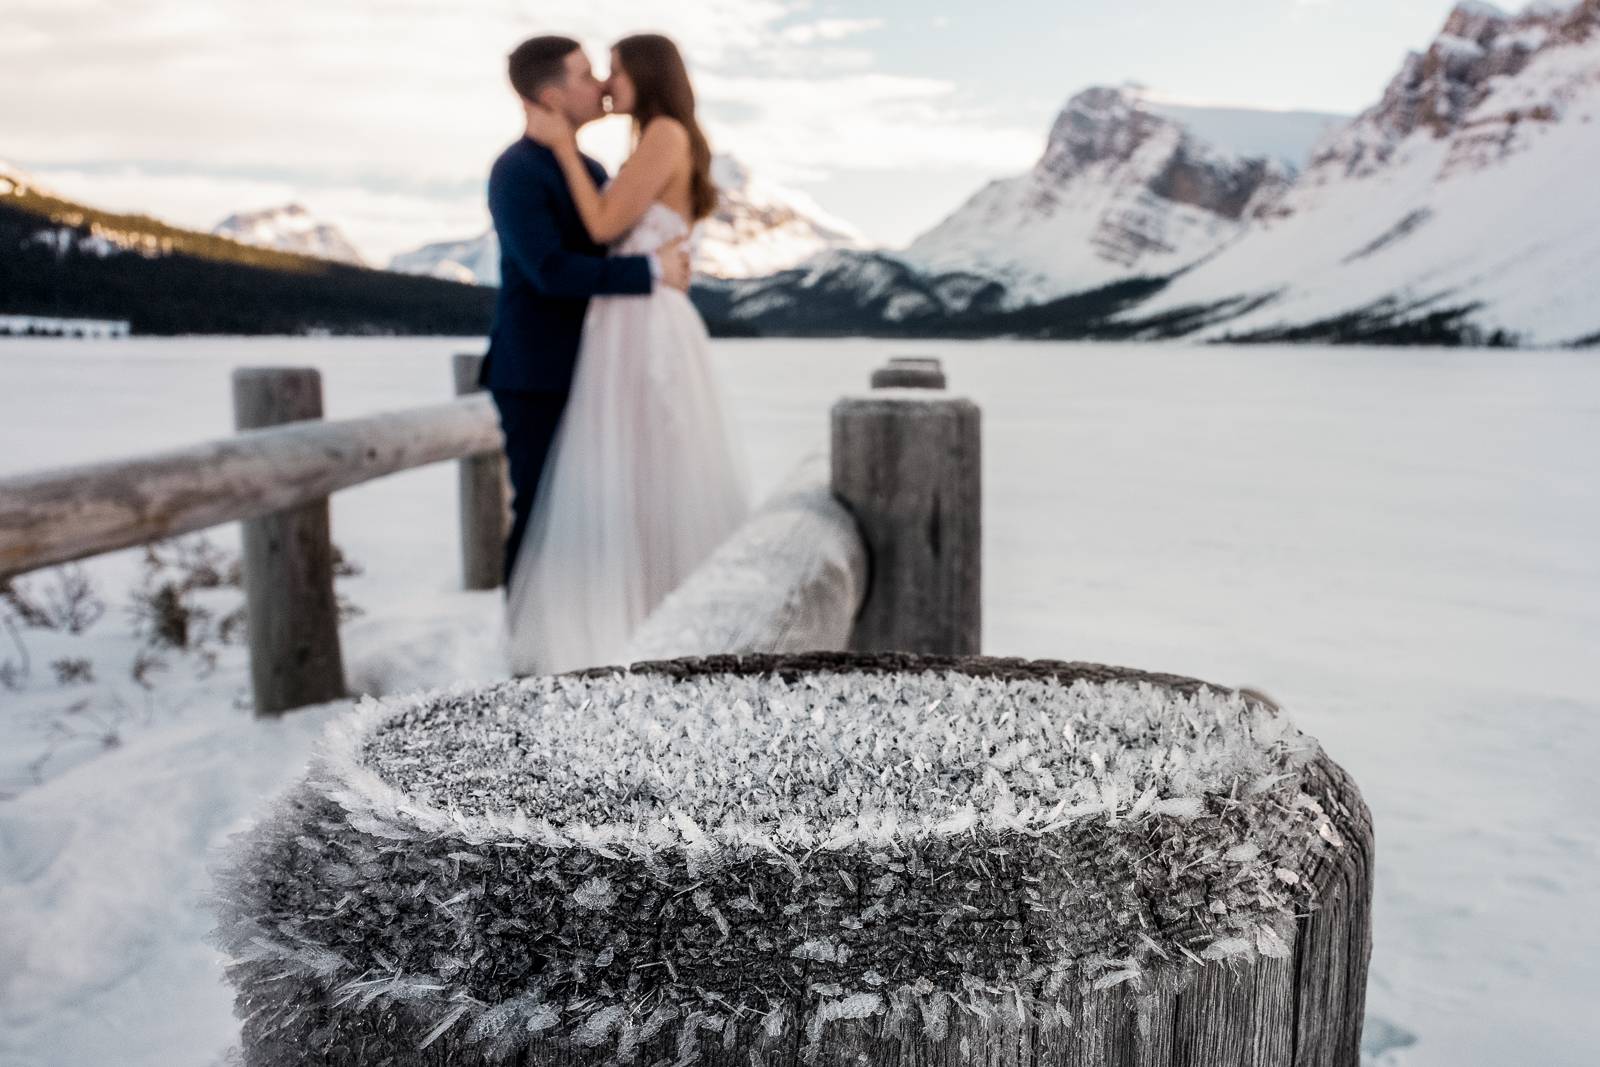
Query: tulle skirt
<point x="642" y="482"/>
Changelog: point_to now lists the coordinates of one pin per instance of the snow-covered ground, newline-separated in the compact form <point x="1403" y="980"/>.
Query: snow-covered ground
<point x="1397" y="544"/>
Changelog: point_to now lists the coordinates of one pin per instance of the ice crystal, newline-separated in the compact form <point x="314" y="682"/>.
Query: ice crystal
<point x="645" y="861"/>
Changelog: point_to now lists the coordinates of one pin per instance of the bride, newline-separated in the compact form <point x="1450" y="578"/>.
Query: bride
<point x="643" y="479"/>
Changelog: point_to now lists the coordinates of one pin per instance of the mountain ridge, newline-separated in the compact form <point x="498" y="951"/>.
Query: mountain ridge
<point x="1119" y="192"/>
<point x="1467" y="188"/>
<point x="1457" y="209"/>
<point x="60" y="258"/>
<point x="290" y="228"/>
<point x="757" y="230"/>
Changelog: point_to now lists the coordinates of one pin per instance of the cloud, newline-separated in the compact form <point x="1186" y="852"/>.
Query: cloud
<point x="407" y="97"/>
<point x="829" y="30"/>
<point x="865" y="121"/>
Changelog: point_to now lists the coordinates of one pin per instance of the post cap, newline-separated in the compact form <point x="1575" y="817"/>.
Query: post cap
<point x="910" y="372"/>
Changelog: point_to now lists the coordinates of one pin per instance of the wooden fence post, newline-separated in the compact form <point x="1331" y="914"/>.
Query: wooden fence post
<point x="484" y="512"/>
<point x="909" y="372"/>
<point x="909" y="469"/>
<point x="292" y="614"/>
<point x="1154" y="915"/>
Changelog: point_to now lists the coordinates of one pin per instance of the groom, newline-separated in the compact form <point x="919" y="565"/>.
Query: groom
<point x="549" y="268"/>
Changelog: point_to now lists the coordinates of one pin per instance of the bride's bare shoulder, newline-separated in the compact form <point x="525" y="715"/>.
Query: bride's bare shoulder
<point x="665" y="130"/>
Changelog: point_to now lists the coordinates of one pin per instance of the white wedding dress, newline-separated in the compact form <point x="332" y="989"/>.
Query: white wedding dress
<point x="642" y="482"/>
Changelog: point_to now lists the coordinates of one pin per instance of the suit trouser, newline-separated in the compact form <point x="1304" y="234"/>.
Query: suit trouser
<point x="528" y="422"/>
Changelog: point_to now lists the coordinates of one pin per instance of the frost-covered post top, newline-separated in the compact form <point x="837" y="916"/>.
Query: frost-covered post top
<point x="780" y="859"/>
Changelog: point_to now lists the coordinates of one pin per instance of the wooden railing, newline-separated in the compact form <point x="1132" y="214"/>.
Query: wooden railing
<point x="883" y="555"/>
<point x="275" y="477"/>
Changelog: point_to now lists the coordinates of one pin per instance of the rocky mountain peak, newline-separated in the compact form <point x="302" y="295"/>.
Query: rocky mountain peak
<point x="1121" y="191"/>
<point x="289" y="228"/>
<point x="1438" y="89"/>
<point x="757" y="230"/>
<point x="1113" y="127"/>
<point x="1461" y="204"/>
<point x="1097" y="125"/>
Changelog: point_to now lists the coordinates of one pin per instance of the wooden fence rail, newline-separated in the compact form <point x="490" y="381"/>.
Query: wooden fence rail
<point x="791" y="579"/>
<point x="72" y="513"/>
<point x="882" y="556"/>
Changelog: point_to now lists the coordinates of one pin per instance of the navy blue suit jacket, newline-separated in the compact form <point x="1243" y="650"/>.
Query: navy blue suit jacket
<point x="549" y="268"/>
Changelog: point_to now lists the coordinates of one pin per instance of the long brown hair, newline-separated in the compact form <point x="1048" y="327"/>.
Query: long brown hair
<point x="662" y="90"/>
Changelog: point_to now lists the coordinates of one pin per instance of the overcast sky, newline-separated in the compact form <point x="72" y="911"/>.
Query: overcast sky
<point x="383" y="115"/>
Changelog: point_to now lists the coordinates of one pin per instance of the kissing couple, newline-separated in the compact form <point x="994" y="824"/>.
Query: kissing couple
<point x="623" y="469"/>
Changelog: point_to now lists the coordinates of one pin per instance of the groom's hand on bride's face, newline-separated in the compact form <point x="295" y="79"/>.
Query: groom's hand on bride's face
<point x="546" y="126"/>
<point x="675" y="270"/>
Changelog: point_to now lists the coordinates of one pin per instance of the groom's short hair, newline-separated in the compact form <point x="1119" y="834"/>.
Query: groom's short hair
<point x="539" y="62"/>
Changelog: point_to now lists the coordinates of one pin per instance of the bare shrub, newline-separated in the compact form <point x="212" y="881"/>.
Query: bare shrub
<point x="73" y="670"/>
<point x="344" y="566"/>
<point x="167" y="614"/>
<point x="64" y="600"/>
<point x="14" y="672"/>
<point x="21" y="606"/>
<point x="83" y="721"/>
<point x="146" y="663"/>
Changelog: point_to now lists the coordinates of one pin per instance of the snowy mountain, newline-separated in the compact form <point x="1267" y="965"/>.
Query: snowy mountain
<point x="64" y="232"/>
<point x="62" y="258"/>
<point x="474" y="261"/>
<point x="760" y="229"/>
<point x="1286" y="136"/>
<point x="290" y="228"/>
<point x="1120" y="192"/>
<point x="17" y="182"/>
<point x="757" y="230"/>
<point x="845" y="291"/>
<point x="1465" y="197"/>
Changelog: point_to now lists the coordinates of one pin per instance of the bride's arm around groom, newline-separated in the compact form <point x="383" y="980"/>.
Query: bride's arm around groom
<point x="661" y="160"/>
<point x="526" y="212"/>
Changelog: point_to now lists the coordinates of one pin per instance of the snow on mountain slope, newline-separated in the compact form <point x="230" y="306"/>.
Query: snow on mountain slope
<point x="1471" y="185"/>
<point x="290" y="228"/>
<point x="17" y="182"/>
<point x="756" y="230"/>
<point x="844" y="292"/>
<point x="1286" y="136"/>
<point x="475" y="261"/>
<point x="1120" y="192"/>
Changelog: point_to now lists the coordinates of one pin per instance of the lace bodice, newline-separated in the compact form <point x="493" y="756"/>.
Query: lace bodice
<point x="657" y="226"/>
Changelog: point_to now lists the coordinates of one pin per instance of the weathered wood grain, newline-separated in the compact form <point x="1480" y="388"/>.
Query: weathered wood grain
<point x="291" y="611"/>
<point x="1249" y="1011"/>
<point x="485" y="511"/>
<point x="790" y="579"/>
<point x="72" y="513"/>
<point x="909" y="468"/>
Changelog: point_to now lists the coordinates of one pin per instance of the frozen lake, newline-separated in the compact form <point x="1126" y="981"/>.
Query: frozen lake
<point x="1399" y="545"/>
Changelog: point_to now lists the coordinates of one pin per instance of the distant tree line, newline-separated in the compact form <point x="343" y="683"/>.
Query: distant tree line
<point x="197" y="283"/>
<point x="1382" y="324"/>
<point x="167" y="280"/>
<point x="1109" y="313"/>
